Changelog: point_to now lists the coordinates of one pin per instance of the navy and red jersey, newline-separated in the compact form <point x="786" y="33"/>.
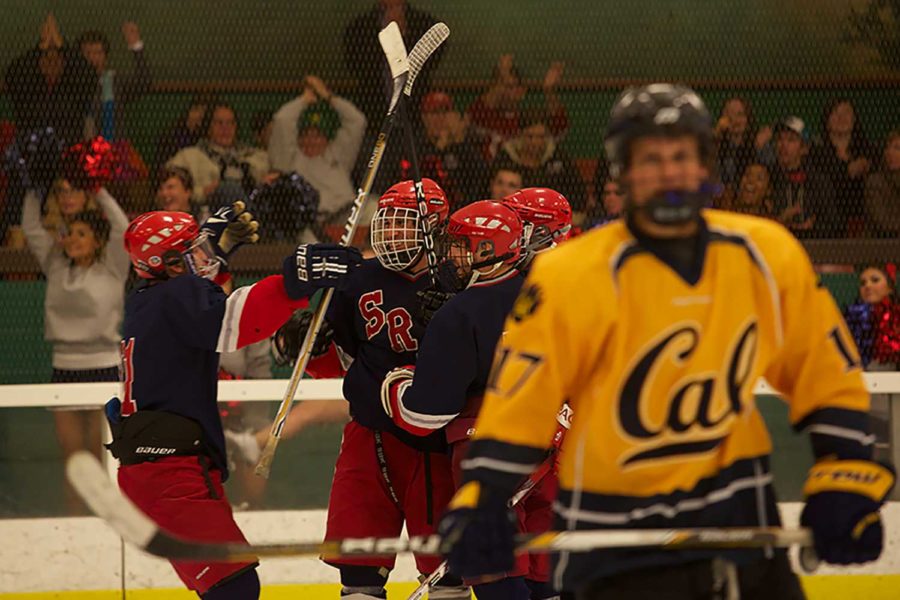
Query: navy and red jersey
<point x="173" y="333"/>
<point x="455" y="359"/>
<point x="372" y="318"/>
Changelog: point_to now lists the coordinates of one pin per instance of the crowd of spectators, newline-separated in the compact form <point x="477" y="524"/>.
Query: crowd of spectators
<point x="835" y="184"/>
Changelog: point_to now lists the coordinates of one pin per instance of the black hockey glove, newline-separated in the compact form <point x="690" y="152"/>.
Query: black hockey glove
<point x="843" y="502"/>
<point x="287" y="340"/>
<point x="316" y="266"/>
<point x="229" y="228"/>
<point x="430" y="300"/>
<point x="478" y="533"/>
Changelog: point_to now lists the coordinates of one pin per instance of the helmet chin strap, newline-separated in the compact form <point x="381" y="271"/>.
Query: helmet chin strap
<point x="672" y="208"/>
<point x="476" y="274"/>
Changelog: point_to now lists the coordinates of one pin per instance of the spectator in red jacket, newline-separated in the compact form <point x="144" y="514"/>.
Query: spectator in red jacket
<point x="535" y="153"/>
<point x="496" y="114"/>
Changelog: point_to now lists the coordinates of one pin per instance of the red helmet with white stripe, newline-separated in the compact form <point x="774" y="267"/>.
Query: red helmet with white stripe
<point x="396" y="233"/>
<point x="547" y="216"/>
<point x="481" y="238"/>
<point x="160" y="238"/>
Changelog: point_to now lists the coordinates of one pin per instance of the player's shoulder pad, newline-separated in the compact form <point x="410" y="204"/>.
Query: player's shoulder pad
<point x="369" y="270"/>
<point x="776" y="245"/>
<point x="190" y="285"/>
<point x="583" y="260"/>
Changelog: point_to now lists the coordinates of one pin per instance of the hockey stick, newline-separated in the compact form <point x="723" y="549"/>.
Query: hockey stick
<point x="564" y="418"/>
<point x="533" y="480"/>
<point x="421" y="202"/>
<point x="401" y="71"/>
<point x="89" y="479"/>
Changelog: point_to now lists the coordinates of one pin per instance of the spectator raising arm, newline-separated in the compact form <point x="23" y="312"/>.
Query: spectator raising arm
<point x="349" y="136"/>
<point x="114" y="255"/>
<point x="40" y="241"/>
<point x="283" y="143"/>
<point x="132" y="86"/>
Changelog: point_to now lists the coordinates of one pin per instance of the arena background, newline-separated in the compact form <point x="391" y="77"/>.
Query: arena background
<point x="784" y="57"/>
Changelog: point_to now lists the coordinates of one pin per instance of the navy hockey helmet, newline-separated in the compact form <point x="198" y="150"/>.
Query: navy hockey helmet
<point x="664" y="110"/>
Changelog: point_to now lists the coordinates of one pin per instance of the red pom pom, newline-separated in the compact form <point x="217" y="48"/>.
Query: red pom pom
<point x="887" y="332"/>
<point x="90" y="165"/>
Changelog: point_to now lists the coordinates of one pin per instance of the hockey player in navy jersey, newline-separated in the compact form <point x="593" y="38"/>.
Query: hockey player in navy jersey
<point x="167" y="432"/>
<point x="481" y="246"/>
<point x="546" y="221"/>
<point x="384" y="476"/>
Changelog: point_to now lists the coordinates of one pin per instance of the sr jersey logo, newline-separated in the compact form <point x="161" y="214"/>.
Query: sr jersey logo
<point x="397" y="320"/>
<point x="668" y="411"/>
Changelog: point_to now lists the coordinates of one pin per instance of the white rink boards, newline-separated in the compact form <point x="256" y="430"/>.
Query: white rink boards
<point x="82" y="558"/>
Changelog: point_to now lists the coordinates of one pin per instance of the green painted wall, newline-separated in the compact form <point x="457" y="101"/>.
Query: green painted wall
<point x="281" y="39"/>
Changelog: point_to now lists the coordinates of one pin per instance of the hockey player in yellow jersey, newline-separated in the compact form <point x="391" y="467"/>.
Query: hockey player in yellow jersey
<point x="655" y="329"/>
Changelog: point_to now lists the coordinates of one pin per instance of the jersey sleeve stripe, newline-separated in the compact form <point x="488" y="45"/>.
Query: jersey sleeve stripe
<point x="838" y="432"/>
<point x="668" y="511"/>
<point x="838" y="417"/>
<point x="420" y="419"/>
<point x="234" y="306"/>
<point x="724" y="487"/>
<point x="495" y="464"/>
<point x="842" y="432"/>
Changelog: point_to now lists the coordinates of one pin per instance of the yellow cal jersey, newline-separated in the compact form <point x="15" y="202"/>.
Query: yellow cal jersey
<point x="659" y="368"/>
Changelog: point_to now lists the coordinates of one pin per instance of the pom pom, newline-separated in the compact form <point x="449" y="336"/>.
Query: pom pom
<point x="32" y="160"/>
<point x="284" y="207"/>
<point x="887" y="332"/>
<point x="90" y="165"/>
<point x="860" y="320"/>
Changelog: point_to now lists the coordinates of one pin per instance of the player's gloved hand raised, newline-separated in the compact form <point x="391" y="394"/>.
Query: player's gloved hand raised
<point x="316" y="266"/>
<point x="843" y="498"/>
<point x="478" y="533"/>
<point x="229" y="228"/>
<point x="430" y="300"/>
<point x="287" y="340"/>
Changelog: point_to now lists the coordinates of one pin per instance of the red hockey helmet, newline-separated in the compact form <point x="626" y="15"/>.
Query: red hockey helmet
<point x="547" y="216"/>
<point x="481" y="235"/>
<point x="160" y="238"/>
<point x="396" y="233"/>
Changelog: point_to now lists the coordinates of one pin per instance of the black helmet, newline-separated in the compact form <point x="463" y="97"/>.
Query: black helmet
<point x="663" y="109"/>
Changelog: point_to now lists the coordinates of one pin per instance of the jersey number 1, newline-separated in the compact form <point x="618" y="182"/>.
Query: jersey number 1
<point x="851" y="362"/>
<point x="126" y="348"/>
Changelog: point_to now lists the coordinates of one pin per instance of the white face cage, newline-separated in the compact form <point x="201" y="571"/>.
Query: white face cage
<point x="396" y="237"/>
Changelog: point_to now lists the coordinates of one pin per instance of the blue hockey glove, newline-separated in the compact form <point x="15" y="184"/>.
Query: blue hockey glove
<point x="316" y="266"/>
<point x="229" y="228"/>
<point x="113" y="410"/>
<point x="478" y="533"/>
<point x="843" y="498"/>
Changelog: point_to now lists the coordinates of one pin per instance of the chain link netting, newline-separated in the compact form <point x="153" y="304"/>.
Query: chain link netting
<point x="203" y="102"/>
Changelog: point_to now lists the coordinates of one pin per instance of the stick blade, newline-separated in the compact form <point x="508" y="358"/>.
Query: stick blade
<point x="88" y="477"/>
<point x="424" y="48"/>
<point x="394" y="49"/>
<point x="264" y="466"/>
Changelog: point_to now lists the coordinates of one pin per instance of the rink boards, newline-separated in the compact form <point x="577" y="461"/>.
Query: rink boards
<point x="80" y="558"/>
